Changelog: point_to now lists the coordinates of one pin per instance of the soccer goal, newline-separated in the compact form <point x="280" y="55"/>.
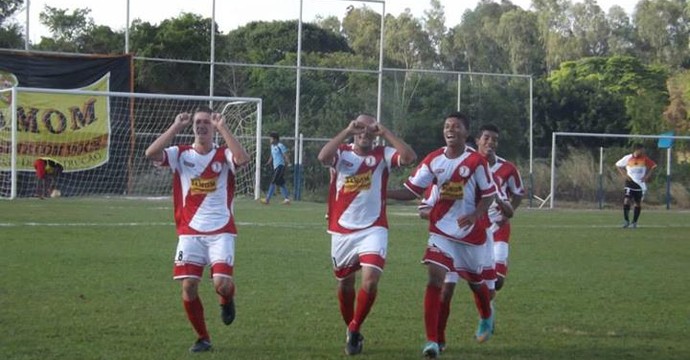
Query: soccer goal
<point x="100" y="138"/>
<point x="583" y="172"/>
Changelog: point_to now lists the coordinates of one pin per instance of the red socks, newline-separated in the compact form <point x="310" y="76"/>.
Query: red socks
<point x="432" y="302"/>
<point x="365" y="301"/>
<point x="482" y="299"/>
<point x="443" y="315"/>
<point x="195" y="314"/>
<point x="346" y="299"/>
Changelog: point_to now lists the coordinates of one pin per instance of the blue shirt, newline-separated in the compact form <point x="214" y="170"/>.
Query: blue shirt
<point x="277" y="152"/>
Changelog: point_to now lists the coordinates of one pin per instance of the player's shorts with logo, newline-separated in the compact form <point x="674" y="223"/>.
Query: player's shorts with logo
<point x="194" y="252"/>
<point x="474" y="263"/>
<point x="350" y="252"/>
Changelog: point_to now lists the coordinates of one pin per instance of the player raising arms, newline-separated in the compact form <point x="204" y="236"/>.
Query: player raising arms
<point x="203" y="193"/>
<point x="357" y="215"/>
<point x="458" y="224"/>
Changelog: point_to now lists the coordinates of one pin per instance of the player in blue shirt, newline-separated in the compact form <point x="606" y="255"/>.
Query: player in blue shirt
<point x="279" y="159"/>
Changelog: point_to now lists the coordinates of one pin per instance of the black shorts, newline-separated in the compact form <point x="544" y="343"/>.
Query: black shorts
<point x="278" y="175"/>
<point x="633" y="191"/>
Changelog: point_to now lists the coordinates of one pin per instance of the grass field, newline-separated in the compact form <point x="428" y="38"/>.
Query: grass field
<point x="91" y="279"/>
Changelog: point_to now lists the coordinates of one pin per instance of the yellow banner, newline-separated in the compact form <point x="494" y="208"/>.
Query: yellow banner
<point x="72" y="129"/>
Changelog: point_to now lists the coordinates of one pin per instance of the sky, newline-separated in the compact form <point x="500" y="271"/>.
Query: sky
<point x="231" y="14"/>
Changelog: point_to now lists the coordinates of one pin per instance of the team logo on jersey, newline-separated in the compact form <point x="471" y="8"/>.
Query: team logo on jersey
<point x="357" y="182"/>
<point x="203" y="186"/>
<point x="216" y="166"/>
<point x="464" y="171"/>
<point x="452" y="191"/>
<point x="347" y="164"/>
<point x="439" y="171"/>
<point x="370" y="160"/>
<point x="187" y="163"/>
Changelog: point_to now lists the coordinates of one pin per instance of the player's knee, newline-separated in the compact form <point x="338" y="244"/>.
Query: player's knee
<point x="190" y="289"/>
<point x="225" y="288"/>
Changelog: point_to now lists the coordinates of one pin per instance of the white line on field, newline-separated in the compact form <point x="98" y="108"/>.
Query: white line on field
<point x="240" y="223"/>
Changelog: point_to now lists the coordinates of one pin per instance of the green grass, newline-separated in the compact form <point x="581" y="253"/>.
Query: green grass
<point x="91" y="279"/>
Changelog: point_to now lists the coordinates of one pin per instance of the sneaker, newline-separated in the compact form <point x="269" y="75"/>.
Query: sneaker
<point x="354" y="343"/>
<point x="227" y="312"/>
<point x="286" y="202"/>
<point x="626" y="224"/>
<point x="634" y="225"/>
<point x="484" y="330"/>
<point x="201" y="345"/>
<point x="431" y="350"/>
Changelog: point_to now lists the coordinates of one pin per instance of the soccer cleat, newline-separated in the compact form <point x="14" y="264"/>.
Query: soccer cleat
<point x="634" y="225"/>
<point x="441" y="347"/>
<point x="431" y="350"/>
<point x="227" y="312"/>
<point x="354" y="343"/>
<point x="484" y="330"/>
<point x="286" y="202"/>
<point x="626" y="224"/>
<point x="200" y="345"/>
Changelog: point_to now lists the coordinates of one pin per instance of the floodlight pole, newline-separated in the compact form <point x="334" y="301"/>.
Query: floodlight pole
<point x="126" y="30"/>
<point x="531" y="141"/>
<point x="380" y="84"/>
<point x="26" y="36"/>
<point x="298" y="84"/>
<point x="213" y="49"/>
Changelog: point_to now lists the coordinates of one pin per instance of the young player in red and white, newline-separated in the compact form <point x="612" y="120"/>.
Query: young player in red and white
<point x="458" y="224"/>
<point x="499" y="212"/>
<point x="636" y="168"/>
<point x="203" y="193"/>
<point x="507" y="178"/>
<point x="357" y="214"/>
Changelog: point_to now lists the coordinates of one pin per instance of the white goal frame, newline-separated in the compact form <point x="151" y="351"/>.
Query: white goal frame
<point x="552" y="190"/>
<point x="210" y="100"/>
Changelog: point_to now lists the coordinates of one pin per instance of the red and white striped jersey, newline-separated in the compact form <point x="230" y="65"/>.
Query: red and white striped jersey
<point x="509" y="177"/>
<point x="495" y="213"/>
<point x="462" y="182"/>
<point x="357" y="198"/>
<point x="203" y="189"/>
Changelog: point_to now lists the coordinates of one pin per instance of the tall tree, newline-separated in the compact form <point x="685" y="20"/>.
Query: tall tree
<point x="621" y="39"/>
<point x="186" y="37"/>
<point x="8" y="8"/>
<point x="435" y="24"/>
<point x="663" y="27"/>
<point x="65" y="27"/>
<point x="361" y="27"/>
<point x="591" y="28"/>
<point x="518" y="35"/>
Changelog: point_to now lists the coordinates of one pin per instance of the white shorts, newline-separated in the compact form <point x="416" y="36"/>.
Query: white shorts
<point x="501" y="251"/>
<point x="194" y="252"/>
<point x="350" y="252"/>
<point x="474" y="263"/>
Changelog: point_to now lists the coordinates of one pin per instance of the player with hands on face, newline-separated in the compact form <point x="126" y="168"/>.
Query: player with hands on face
<point x="357" y="214"/>
<point x="204" y="180"/>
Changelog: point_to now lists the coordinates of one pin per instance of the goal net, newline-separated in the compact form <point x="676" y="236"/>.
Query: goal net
<point x="583" y="172"/>
<point x="100" y="138"/>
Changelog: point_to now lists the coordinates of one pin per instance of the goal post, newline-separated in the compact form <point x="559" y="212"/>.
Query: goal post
<point x="555" y="135"/>
<point x="100" y="138"/>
